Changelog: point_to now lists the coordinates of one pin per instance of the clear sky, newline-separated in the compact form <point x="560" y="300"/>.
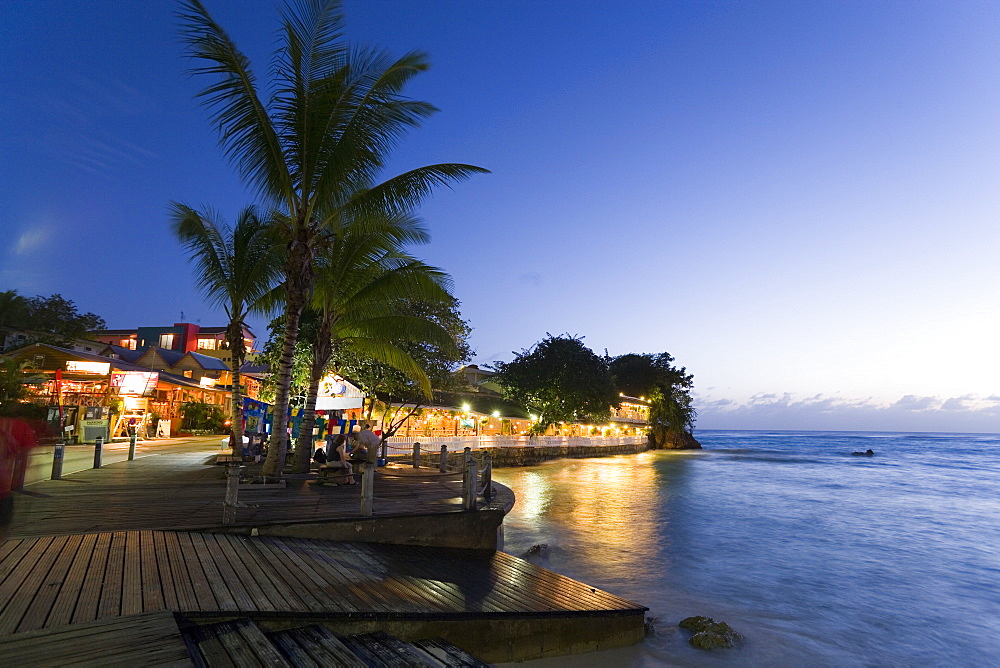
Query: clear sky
<point x="798" y="200"/>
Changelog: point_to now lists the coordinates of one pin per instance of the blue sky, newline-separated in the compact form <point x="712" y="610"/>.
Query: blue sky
<point x="798" y="200"/>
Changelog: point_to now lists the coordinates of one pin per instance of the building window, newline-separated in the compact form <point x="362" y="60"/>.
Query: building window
<point x="127" y="343"/>
<point x="167" y="341"/>
<point x="206" y="344"/>
<point x="188" y="373"/>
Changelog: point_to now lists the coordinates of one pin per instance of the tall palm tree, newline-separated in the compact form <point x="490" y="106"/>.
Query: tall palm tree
<point x="362" y="275"/>
<point x="321" y="138"/>
<point x="237" y="268"/>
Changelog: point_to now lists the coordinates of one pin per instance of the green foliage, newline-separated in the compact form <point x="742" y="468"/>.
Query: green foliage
<point x="314" y="141"/>
<point x="667" y="387"/>
<point x="13" y="388"/>
<point x="52" y="319"/>
<point x="560" y="380"/>
<point x="199" y="416"/>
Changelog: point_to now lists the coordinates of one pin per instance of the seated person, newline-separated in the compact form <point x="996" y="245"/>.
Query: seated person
<point x="319" y="456"/>
<point x="365" y="443"/>
<point x="337" y="459"/>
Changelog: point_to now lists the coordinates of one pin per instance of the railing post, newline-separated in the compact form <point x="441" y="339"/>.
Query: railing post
<point x="232" y="492"/>
<point x="57" y="460"/>
<point x="98" y="446"/>
<point x="367" y="488"/>
<point x="469" y="491"/>
<point x="487" y="476"/>
<point x="131" y="447"/>
<point x="416" y="455"/>
<point x="20" y="468"/>
<point x="444" y="458"/>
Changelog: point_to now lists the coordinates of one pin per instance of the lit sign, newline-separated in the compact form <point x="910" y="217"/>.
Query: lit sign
<point x="335" y="393"/>
<point x="101" y="368"/>
<point x="207" y="382"/>
<point x="140" y="383"/>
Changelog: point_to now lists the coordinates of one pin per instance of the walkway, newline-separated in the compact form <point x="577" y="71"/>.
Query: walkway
<point x="182" y="489"/>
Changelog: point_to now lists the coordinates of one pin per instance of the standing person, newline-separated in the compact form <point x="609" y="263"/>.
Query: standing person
<point x="16" y="440"/>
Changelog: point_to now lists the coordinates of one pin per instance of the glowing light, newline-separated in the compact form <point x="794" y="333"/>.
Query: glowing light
<point x="496" y="414"/>
<point x="465" y="407"/>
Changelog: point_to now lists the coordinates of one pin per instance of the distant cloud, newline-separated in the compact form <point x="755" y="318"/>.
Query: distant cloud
<point x="30" y="239"/>
<point x="825" y="412"/>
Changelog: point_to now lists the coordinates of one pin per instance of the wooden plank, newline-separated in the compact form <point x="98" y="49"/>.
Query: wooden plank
<point x="186" y="600"/>
<point x="405" y="592"/>
<point x="254" y="639"/>
<point x="289" y="575"/>
<point x="62" y="611"/>
<point x="93" y="581"/>
<point x="20" y="601"/>
<point x="229" y="634"/>
<point x="6" y="547"/>
<point x="152" y="588"/>
<point x="111" y="593"/>
<point x="120" y="641"/>
<point x="248" y="564"/>
<point x="42" y="602"/>
<point x="132" y="575"/>
<point x="348" y="581"/>
<point x="310" y="584"/>
<point x="22" y="562"/>
<point x="169" y="591"/>
<point x="224" y="597"/>
<point x="229" y="576"/>
<point x="188" y="554"/>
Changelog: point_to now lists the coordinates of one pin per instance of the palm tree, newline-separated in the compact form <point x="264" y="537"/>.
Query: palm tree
<point x="237" y="268"/>
<point x="321" y="139"/>
<point x="362" y="275"/>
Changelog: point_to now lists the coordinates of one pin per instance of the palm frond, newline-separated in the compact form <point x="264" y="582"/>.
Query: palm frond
<point x="246" y="132"/>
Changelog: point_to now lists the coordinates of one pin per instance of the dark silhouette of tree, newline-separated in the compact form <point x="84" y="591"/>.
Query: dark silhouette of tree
<point x="560" y="380"/>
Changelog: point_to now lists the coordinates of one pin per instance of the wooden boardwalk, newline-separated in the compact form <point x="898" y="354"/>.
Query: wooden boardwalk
<point x="185" y="491"/>
<point x="50" y="582"/>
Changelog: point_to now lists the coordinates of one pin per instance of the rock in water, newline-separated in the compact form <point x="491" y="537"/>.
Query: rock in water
<point x="710" y="634"/>
<point x="540" y="550"/>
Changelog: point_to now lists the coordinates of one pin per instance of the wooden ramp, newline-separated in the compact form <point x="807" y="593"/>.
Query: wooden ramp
<point x="142" y="640"/>
<point x="49" y="582"/>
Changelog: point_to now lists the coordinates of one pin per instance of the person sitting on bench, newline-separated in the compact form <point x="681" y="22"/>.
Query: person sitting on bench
<point x="337" y="459"/>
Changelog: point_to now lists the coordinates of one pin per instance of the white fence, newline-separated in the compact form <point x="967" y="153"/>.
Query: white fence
<point x="400" y="444"/>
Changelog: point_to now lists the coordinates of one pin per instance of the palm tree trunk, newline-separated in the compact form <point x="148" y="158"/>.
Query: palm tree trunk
<point x="304" y="445"/>
<point x="322" y="351"/>
<point x="239" y="353"/>
<point x="298" y="278"/>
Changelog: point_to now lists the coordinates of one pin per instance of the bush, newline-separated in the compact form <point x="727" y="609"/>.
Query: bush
<point x="199" y="416"/>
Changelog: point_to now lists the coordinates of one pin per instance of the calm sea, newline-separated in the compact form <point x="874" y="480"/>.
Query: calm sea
<point x="818" y="557"/>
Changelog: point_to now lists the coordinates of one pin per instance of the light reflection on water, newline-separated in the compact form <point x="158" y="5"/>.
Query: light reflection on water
<point x="817" y="557"/>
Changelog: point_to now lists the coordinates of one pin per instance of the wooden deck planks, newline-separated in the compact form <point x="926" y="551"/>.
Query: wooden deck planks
<point x="81" y="579"/>
<point x="19" y="602"/>
<point x="147" y="640"/>
<point x="90" y="591"/>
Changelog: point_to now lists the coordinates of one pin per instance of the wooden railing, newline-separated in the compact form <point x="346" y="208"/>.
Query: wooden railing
<point x="404" y="444"/>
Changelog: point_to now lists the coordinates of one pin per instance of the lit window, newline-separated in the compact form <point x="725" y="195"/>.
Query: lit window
<point x="206" y="344"/>
<point x="188" y="373"/>
<point x="167" y="341"/>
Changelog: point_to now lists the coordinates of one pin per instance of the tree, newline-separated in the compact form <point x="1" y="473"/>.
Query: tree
<point x="237" y="268"/>
<point x="52" y="319"/>
<point x="397" y="395"/>
<point x="315" y="149"/>
<point x="668" y="388"/>
<point x="560" y="380"/>
<point x="362" y="274"/>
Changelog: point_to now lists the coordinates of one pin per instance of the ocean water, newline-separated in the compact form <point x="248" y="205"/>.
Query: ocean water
<point x="817" y="557"/>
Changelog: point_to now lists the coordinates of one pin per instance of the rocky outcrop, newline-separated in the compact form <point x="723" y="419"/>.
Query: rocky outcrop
<point x="663" y="440"/>
<point x="710" y="634"/>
